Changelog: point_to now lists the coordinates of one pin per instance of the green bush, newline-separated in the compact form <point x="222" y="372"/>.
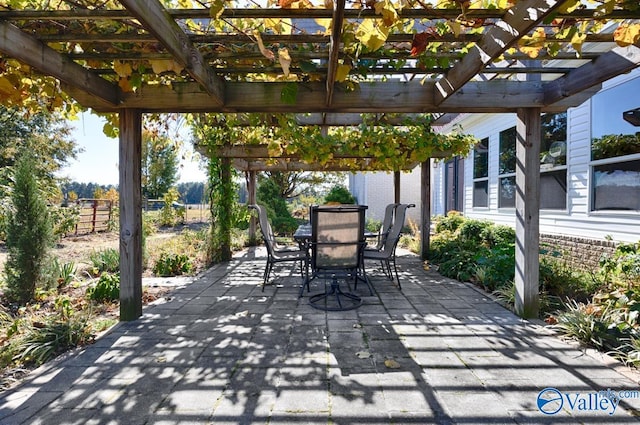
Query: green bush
<point x="282" y="221"/>
<point x="172" y="265"/>
<point x="29" y="234"/>
<point x="450" y="222"/>
<point x="64" y="219"/>
<point x="339" y="194"/>
<point x="498" y="235"/>
<point x="471" y="230"/>
<point x="106" y="289"/>
<point x="105" y="260"/>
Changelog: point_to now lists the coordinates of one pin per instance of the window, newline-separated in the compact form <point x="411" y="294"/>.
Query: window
<point x="481" y="174"/>
<point x="553" y="160"/>
<point x="615" y="150"/>
<point x="507" y="169"/>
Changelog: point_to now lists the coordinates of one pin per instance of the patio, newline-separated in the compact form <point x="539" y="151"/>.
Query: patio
<point x="221" y="351"/>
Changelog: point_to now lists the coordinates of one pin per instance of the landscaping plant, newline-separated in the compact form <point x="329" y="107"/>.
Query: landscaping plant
<point x="29" y="234"/>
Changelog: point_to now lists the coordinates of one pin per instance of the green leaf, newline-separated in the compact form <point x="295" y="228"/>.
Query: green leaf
<point x="289" y="94"/>
<point x="308" y="67"/>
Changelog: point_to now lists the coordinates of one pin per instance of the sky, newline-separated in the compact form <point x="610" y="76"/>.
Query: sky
<point x="98" y="163"/>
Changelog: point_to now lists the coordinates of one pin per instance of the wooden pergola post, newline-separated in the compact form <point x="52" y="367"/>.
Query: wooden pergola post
<point x="528" y="137"/>
<point x="425" y="208"/>
<point x="251" y="189"/>
<point x="130" y="214"/>
<point x="396" y="187"/>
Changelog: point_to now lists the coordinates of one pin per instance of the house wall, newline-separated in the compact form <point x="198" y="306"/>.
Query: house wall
<point x="376" y="190"/>
<point x="577" y="220"/>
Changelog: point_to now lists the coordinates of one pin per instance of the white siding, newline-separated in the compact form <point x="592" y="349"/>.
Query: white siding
<point x="577" y="220"/>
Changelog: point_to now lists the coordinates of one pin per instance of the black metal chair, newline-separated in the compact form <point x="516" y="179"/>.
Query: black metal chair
<point x="387" y="254"/>
<point x="277" y="253"/>
<point x="337" y="244"/>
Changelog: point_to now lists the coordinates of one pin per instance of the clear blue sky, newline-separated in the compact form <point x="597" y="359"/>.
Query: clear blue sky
<point x="99" y="161"/>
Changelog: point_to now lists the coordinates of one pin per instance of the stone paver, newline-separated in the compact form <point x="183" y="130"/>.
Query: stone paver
<point x="219" y="350"/>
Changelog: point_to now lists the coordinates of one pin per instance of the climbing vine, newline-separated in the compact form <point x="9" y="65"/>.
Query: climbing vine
<point x="373" y="145"/>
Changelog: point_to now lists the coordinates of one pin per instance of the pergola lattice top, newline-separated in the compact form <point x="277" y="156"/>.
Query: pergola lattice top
<point x="378" y="57"/>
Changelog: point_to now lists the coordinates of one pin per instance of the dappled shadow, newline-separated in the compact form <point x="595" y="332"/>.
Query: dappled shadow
<point x="221" y="351"/>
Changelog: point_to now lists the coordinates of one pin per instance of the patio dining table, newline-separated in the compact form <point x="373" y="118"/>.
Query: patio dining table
<point x="303" y="236"/>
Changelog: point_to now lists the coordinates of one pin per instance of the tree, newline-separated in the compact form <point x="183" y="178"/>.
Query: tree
<point x="47" y="136"/>
<point x="29" y="233"/>
<point x="159" y="164"/>
<point x="268" y="194"/>
<point x="295" y="183"/>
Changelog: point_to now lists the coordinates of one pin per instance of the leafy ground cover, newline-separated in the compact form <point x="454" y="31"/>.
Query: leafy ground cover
<point x="600" y="309"/>
<point x="82" y="300"/>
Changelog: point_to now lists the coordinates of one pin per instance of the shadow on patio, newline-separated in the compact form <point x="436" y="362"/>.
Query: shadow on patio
<point x="221" y="351"/>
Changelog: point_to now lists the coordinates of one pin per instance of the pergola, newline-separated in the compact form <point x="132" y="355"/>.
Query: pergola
<point x="327" y="63"/>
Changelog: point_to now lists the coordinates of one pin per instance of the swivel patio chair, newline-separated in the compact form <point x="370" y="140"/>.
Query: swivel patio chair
<point x="387" y="254"/>
<point x="277" y="253"/>
<point x="337" y="243"/>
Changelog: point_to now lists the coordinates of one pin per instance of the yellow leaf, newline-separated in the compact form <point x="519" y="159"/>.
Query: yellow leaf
<point x="456" y="28"/>
<point x="391" y="364"/>
<point x="285" y="60"/>
<point x="627" y="34"/>
<point x="216" y="9"/>
<point x="371" y="35"/>
<point x="388" y="12"/>
<point x="343" y="72"/>
<point x="577" y="40"/>
<point x="265" y="52"/>
<point x="125" y="85"/>
<point x="122" y="68"/>
<point x="6" y="88"/>
<point x="569" y="6"/>
<point x="279" y="26"/>
<point x="324" y="23"/>
<point x="161" y="65"/>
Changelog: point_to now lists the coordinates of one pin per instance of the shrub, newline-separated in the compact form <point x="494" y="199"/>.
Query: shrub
<point x="105" y="260"/>
<point x="498" y="235"/>
<point x="339" y="194"/>
<point x="281" y="219"/>
<point x="29" y="234"/>
<point x="106" y="289"/>
<point x="450" y="222"/>
<point x="64" y="273"/>
<point x="471" y="230"/>
<point x="172" y="265"/>
<point x="64" y="219"/>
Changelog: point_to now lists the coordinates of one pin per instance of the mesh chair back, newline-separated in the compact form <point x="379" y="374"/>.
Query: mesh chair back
<point x="398" y="223"/>
<point x="265" y="228"/>
<point x="337" y="237"/>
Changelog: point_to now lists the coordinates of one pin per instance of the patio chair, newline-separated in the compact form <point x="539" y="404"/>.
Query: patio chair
<point x="337" y="243"/>
<point x="277" y="253"/>
<point x="387" y="254"/>
<point x="387" y="221"/>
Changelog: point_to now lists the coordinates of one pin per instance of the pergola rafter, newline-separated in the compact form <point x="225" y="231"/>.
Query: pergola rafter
<point x="412" y="60"/>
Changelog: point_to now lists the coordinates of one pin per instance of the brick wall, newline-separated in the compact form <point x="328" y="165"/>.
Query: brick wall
<point x="581" y="253"/>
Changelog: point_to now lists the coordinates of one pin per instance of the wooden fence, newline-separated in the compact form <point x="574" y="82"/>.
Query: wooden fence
<point x="95" y="215"/>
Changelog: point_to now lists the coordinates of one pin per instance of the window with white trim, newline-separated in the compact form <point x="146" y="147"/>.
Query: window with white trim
<point x="481" y="174"/>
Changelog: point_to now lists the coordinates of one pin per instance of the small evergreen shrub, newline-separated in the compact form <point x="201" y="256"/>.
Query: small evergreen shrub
<point x="340" y="195"/>
<point x="29" y="234"/>
<point x="450" y="222"/>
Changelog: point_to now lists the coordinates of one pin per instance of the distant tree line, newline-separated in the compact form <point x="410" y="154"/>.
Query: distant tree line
<point x="190" y="192"/>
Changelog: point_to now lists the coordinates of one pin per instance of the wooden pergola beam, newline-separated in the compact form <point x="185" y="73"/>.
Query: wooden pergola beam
<point x="157" y="21"/>
<point x="334" y="48"/>
<point x="27" y="49"/>
<point x="390" y="96"/>
<point x="516" y="23"/>
<point x="617" y="61"/>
